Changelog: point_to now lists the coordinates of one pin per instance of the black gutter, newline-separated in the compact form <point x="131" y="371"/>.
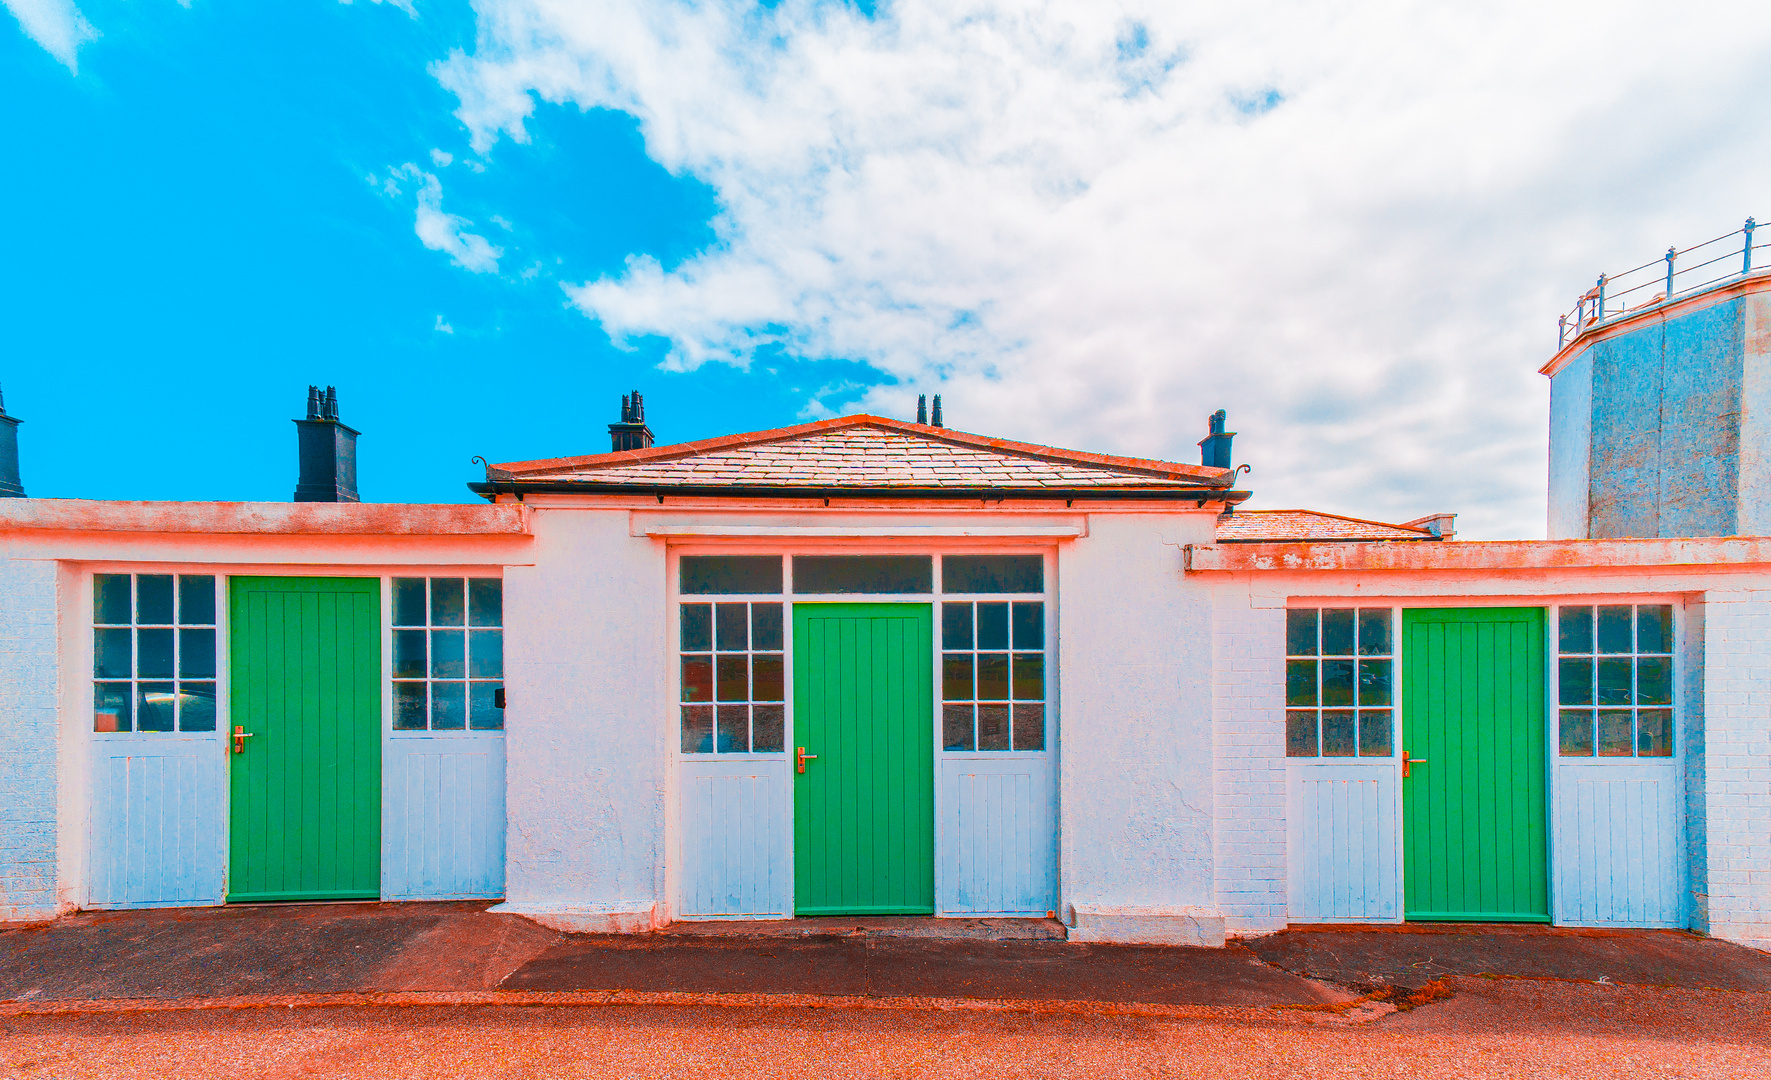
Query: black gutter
<point x="1200" y="495"/>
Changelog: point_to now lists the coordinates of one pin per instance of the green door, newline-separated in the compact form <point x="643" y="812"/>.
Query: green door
<point x="1475" y="847"/>
<point x="305" y="667"/>
<point x="864" y="808"/>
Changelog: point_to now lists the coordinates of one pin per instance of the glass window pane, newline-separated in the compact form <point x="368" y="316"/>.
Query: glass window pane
<point x="448" y="606"/>
<point x="768" y="729"/>
<point x="697" y="628"/>
<point x="1337" y="733"/>
<point x="698" y="678"/>
<point x="1300" y="733"/>
<point x="734" y="729"/>
<point x="1615" y="732"/>
<point x="110" y="599"/>
<point x="1029" y="727"/>
<point x="1615" y="630"/>
<point x="409" y="655"/>
<point x="112" y="654"/>
<point x="1614" y="681"/>
<point x="956" y="625"/>
<point x="196" y="706"/>
<point x="956" y="676"/>
<point x="765" y="627"/>
<point x="1029" y="620"/>
<point x="768" y="677"/>
<point x="1576" y="629"/>
<point x="732" y="627"/>
<point x="408" y="601"/>
<point x="112" y="707"/>
<point x="1300" y="634"/>
<point x="448" y="706"/>
<point x="1374" y="733"/>
<point x="1029" y="676"/>
<point x="483" y="713"/>
<point x="992" y="678"/>
<point x="956" y="727"/>
<point x="1654" y="733"/>
<point x="697" y="729"/>
<point x="156" y="706"/>
<point x="485" y="602"/>
<point x="992" y="626"/>
<point x="196" y="599"/>
<point x="992" y="573"/>
<point x="1576" y="735"/>
<point x="1374" y="631"/>
<point x="1574" y="682"/>
<point x="448" y="654"/>
<point x="1337" y="683"/>
<point x="1654" y="628"/>
<point x="1337" y="631"/>
<point x="734" y="678"/>
<point x="714" y="575"/>
<point x="1654" y="680"/>
<point x="1300" y="682"/>
<point x="153" y="601"/>
<point x="1374" y="682"/>
<point x="485" y="654"/>
<point x="993" y="729"/>
<point x="863" y="573"/>
<point x="153" y="654"/>
<point x="196" y="654"/>
<point x="409" y="699"/>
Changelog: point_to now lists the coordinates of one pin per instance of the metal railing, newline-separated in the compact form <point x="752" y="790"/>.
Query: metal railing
<point x="1725" y="258"/>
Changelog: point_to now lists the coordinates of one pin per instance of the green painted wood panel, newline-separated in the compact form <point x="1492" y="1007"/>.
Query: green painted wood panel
<point x="864" y="811"/>
<point x="1475" y="844"/>
<point x="304" y="664"/>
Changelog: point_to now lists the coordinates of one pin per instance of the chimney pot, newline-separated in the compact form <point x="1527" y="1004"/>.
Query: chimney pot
<point x="11" y="487"/>
<point x="631" y="433"/>
<point x="935" y="420"/>
<point x="922" y="408"/>
<point x="327" y="451"/>
<point x="1214" y="449"/>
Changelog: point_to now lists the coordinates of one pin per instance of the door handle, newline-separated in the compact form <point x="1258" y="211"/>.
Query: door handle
<point x="1407" y="761"/>
<point x="805" y="757"/>
<point x="240" y="737"/>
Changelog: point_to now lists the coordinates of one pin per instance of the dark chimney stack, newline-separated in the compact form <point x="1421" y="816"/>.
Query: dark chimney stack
<point x="328" y="451"/>
<point x="10" y="485"/>
<point x="922" y="408"/>
<point x="1214" y="449"/>
<point x="935" y="420"/>
<point x="631" y="433"/>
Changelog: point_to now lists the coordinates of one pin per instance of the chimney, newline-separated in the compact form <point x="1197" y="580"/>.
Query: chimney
<point x="1443" y="526"/>
<point x="631" y="433"/>
<point x="328" y="451"/>
<point x="1214" y="449"/>
<point x="10" y="485"/>
<point x="935" y="421"/>
<point x="922" y="408"/>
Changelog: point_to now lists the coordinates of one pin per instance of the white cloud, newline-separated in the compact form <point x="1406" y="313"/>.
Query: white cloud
<point x="443" y="327"/>
<point x="57" y="25"/>
<point x="403" y="5"/>
<point x="1093" y="223"/>
<point x="441" y="158"/>
<point x="442" y="231"/>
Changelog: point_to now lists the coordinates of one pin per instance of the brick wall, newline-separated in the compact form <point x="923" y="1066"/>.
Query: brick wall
<point x="1736" y="764"/>
<point x="1248" y="728"/>
<point x="28" y="687"/>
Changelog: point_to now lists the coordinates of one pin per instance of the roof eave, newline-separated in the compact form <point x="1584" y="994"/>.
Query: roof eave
<point x="1201" y="494"/>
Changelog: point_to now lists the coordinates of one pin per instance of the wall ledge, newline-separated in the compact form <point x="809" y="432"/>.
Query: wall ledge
<point x="263" y="518"/>
<point x="1481" y="555"/>
<point x="1126" y="925"/>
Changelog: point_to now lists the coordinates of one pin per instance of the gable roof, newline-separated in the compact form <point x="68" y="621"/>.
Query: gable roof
<point x="863" y="456"/>
<point x="1272" y="526"/>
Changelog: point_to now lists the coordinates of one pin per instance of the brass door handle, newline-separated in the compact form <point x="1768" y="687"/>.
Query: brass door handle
<point x="240" y="737"/>
<point x="805" y="757"/>
<point x="1407" y="761"/>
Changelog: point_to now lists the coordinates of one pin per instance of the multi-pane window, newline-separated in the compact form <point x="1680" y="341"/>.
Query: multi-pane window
<point x="1339" y="672"/>
<point x="153" y="652"/>
<point x="1615" y="681"/>
<point x="448" y="654"/>
<point x="993" y="675"/>
<point x="733" y="685"/>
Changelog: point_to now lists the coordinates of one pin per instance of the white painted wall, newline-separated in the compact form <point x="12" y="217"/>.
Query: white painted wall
<point x="1754" y="508"/>
<point x="30" y="672"/>
<point x="1571" y="448"/>
<point x="1248" y="728"/>
<point x="1737" y="761"/>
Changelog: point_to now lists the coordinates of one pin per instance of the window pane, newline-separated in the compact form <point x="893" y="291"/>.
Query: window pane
<point x="993" y="731"/>
<point x="1300" y="733"/>
<point x="1337" y="682"/>
<point x="196" y="654"/>
<point x="765" y="626"/>
<point x="153" y="600"/>
<point x="1029" y="676"/>
<point x="408" y="601"/>
<point x="111" y="707"/>
<point x="448" y="607"/>
<point x="409" y="701"/>
<point x="956" y="727"/>
<point x="956" y="676"/>
<point x="483" y="713"/>
<point x="485" y="602"/>
<point x="767" y="677"/>
<point x="485" y="654"/>
<point x="1374" y="733"/>
<point x="1029" y="620"/>
<point x="1576" y="629"/>
<point x="768" y="729"/>
<point x="196" y="706"/>
<point x="697" y="729"/>
<point x="110" y="599"/>
<point x="1576" y="738"/>
<point x="112" y="655"/>
<point x="1300" y="682"/>
<point x="1614" y="732"/>
<point x="1654" y="733"/>
<point x="1654" y="680"/>
<point x="697" y="678"/>
<point x="732" y="627"/>
<point x="1029" y="727"/>
<point x="1574" y="679"/>
<point x="196" y="599"/>
<point x="956" y="625"/>
<point x="1374" y="632"/>
<point x="734" y="729"/>
<point x="1337" y="631"/>
<point x="155" y="706"/>
<point x="448" y="654"/>
<point x="448" y="706"/>
<point x="714" y="575"/>
<point x="1654" y="628"/>
<point x="863" y="573"/>
<point x="697" y="629"/>
<point x="1614" y="681"/>
<point x="734" y="678"/>
<point x="1337" y="733"/>
<point x="992" y="678"/>
<point x="1300" y="634"/>
<point x="992" y="573"/>
<point x="992" y="626"/>
<point x="409" y="655"/>
<point x="1374" y="682"/>
<point x="1614" y="629"/>
<point x="153" y="654"/>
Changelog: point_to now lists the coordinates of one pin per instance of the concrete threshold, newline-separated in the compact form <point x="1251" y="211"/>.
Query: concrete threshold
<point x="922" y="927"/>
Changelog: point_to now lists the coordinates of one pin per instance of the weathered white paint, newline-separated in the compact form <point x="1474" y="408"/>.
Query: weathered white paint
<point x="158" y="824"/>
<point x="30" y="669"/>
<point x="997" y="836"/>
<point x="442" y="831"/>
<point x="1343" y="840"/>
<point x="1571" y="448"/>
<point x="1249" y="770"/>
<point x="737" y="829"/>
<point x="1619" y="845"/>
<point x="1754" y="511"/>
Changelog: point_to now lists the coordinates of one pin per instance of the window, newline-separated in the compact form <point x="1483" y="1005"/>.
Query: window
<point x="153" y="652"/>
<point x="993" y="573"/>
<point x="992" y="675"/>
<point x="1339" y="670"/>
<point x="814" y="574"/>
<point x="1615" y="681"/>
<point x="448" y="654"/>
<point x="726" y="575"/>
<point x="733" y="665"/>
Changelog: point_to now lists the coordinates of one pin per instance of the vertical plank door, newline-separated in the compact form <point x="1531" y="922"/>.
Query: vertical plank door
<point x="864" y="809"/>
<point x="305" y="670"/>
<point x="1475" y="838"/>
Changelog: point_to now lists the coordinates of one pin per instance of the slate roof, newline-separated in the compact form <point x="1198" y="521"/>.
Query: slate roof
<point x="1277" y="526"/>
